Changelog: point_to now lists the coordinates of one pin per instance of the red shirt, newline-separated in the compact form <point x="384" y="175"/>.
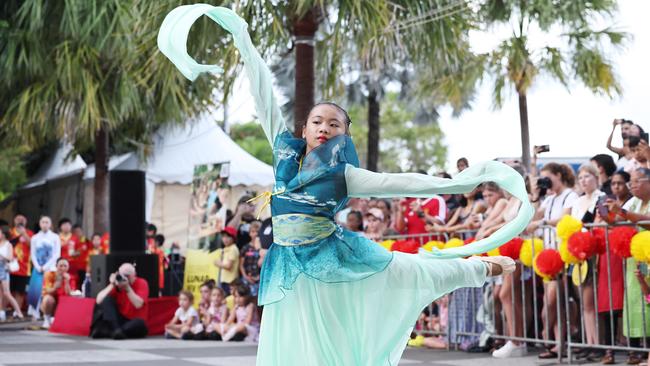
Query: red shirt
<point x="70" y="244"/>
<point x="124" y="305"/>
<point x="48" y="283"/>
<point x="431" y="206"/>
<point x="21" y="252"/>
<point x="106" y="240"/>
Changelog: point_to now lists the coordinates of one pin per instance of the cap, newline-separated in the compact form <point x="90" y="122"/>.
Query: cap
<point x="377" y="213"/>
<point x="230" y="231"/>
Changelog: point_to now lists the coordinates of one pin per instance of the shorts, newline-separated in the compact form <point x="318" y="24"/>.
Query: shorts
<point x="19" y="283"/>
<point x="4" y="272"/>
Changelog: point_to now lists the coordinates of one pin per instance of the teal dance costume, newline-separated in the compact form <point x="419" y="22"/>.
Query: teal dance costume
<point x="331" y="296"/>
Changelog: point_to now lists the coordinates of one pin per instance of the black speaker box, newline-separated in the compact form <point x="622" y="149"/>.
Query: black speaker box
<point x="127" y="211"/>
<point x="101" y="266"/>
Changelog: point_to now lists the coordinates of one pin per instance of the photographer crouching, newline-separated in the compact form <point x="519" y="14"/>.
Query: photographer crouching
<point x="121" y="307"/>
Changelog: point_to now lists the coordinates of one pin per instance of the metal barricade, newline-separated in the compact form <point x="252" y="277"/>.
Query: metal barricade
<point x="578" y="324"/>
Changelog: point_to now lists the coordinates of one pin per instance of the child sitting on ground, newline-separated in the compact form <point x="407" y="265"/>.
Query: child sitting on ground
<point x="185" y="319"/>
<point x="243" y="322"/>
<point x="216" y="316"/>
<point x="204" y="302"/>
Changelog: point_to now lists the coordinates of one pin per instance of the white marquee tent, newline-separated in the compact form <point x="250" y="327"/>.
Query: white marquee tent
<point x="169" y="171"/>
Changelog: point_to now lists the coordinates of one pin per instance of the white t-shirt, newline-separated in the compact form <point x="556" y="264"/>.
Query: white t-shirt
<point x="554" y="206"/>
<point x="580" y="208"/>
<point x="183" y="315"/>
<point x="45" y="250"/>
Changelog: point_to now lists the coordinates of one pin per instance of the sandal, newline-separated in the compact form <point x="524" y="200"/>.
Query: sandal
<point x="547" y="355"/>
<point x="633" y="359"/>
<point x="609" y="358"/>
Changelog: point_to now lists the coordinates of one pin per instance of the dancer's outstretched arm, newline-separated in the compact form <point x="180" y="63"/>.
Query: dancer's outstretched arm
<point x="172" y="42"/>
<point x="364" y="184"/>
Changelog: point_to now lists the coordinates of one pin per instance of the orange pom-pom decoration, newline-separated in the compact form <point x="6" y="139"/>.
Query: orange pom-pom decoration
<point x="599" y="238"/>
<point x="619" y="240"/>
<point x="512" y="248"/>
<point x="548" y="263"/>
<point x="406" y="246"/>
<point x="581" y="245"/>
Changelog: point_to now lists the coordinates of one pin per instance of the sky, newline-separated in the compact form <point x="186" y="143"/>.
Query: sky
<point x="574" y="122"/>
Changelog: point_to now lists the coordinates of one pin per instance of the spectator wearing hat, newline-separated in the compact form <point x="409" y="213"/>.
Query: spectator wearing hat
<point x="228" y="259"/>
<point x="375" y="224"/>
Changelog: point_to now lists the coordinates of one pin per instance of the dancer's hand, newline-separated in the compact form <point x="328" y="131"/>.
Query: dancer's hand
<point x="499" y="265"/>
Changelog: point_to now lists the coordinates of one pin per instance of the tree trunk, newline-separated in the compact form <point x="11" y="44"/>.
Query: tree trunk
<point x="373" y="130"/>
<point x="304" y="30"/>
<point x="525" y="134"/>
<point x="100" y="206"/>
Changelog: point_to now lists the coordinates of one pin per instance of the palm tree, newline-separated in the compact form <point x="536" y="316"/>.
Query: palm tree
<point x="363" y="36"/>
<point x="83" y="70"/>
<point x="516" y="63"/>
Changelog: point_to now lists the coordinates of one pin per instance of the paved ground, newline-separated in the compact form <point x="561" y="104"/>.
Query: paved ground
<point x="23" y="347"/>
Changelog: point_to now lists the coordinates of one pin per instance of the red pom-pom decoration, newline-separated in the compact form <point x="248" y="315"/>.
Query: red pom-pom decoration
<point x="599" y="238"/>
<point x="406" y="246"/>
<point x="581" y="245"/>
<point x="469" y="240"/>
<point x="549" y="263"/>
<point x="619" y="240"/>
<point x="512" y="248"/>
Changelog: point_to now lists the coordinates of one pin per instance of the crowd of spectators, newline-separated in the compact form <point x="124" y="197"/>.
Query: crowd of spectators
<point x="602" y="190"/>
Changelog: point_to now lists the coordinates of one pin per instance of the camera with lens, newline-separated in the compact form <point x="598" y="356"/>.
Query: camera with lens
<point x="120" y="278"/>
<point x="544" y="184"/>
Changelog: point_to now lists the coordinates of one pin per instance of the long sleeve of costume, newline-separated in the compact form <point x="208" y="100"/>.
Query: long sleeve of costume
<point x="172" y="42"/>
<point x="56" y="253"/>
<point x="364" y="184"/>
<point x="32" y="251"/>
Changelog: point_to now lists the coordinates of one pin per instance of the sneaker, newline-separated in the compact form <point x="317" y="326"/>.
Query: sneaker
<point x="510" y="350"/>
<point x="3" y="316"/>
<point x="46" y="324"/>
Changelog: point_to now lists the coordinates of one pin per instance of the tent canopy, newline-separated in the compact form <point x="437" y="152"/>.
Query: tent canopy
<point x="58" y="165"/>
<point x="177" y="149"/>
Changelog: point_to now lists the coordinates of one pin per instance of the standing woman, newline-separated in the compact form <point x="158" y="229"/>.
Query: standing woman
<point x="6" y="256"/>
<point x="332" y="296"/>
<point x="45" y="249"/>
<point x="584" y="209"/>
<point x="560" y="180"/>
<point x="610" y="274"/>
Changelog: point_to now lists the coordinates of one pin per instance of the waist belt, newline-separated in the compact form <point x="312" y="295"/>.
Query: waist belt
<point x="301" y="229"/>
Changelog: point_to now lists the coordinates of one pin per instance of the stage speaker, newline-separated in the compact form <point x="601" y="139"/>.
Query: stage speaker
<point x="101" y="266"/>
<point x="127" y="211"/>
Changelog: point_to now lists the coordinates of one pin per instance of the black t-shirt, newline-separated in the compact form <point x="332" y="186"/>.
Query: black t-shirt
<point x="250" y="256"/>
<point x="266" y="233"/>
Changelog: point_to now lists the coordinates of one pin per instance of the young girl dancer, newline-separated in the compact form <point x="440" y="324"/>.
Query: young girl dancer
<point x="330" y="296"/>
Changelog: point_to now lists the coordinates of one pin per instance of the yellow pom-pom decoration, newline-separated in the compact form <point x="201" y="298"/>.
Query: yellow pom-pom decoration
<point x="494" y="252"/>
<point x="387" y="244"/>
<point x="640" y="246"/>
<point x="454" y="243"/>
<point x="433" y="244"/>
<point x="567" y="226"/>
<point x="567" y="257"/>
<point x="529" y="247"/>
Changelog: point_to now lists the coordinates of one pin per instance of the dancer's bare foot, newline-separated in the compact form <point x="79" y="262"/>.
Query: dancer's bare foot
<point x="499" y="265"/>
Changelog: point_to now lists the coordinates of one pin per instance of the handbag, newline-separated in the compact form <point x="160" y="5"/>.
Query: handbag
<point x="13" y="266"/>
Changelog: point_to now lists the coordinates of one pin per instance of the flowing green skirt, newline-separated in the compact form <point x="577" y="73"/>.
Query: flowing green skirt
<point x="364" y="322"/>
